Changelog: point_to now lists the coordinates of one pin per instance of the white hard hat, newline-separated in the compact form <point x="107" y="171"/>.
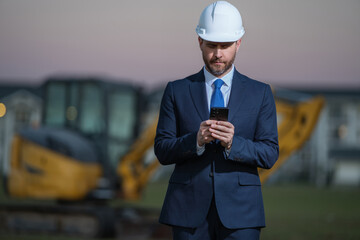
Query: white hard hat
<point x="220" y="22"/>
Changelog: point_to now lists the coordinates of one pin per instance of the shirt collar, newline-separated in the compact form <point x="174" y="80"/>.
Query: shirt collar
<point x="210" y="79"/>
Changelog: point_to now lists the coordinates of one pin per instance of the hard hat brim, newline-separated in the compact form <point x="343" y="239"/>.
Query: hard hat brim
<point x="222" y="38"/>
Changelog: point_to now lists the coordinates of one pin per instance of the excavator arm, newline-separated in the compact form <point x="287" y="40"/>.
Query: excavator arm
<point x="295" y="125"/>
<point x="134" y="173"/>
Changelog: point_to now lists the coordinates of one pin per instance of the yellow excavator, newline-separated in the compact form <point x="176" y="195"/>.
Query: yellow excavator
<point x="87" y="125"/>
<point x="89" y="150"/>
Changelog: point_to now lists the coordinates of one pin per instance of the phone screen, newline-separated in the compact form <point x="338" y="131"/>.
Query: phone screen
<point x="219" y="113"/>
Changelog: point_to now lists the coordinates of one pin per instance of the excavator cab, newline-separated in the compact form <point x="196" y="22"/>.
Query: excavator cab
<point x="87" y="125"/>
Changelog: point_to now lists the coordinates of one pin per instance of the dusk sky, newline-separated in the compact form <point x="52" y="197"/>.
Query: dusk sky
<point x="287" y="43"/>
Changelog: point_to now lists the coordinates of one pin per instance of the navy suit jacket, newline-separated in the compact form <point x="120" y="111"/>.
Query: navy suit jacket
<point x="235" y="184"/>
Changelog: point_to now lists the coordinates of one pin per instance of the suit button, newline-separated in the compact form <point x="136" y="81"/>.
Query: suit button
<point x="211" y="174"/>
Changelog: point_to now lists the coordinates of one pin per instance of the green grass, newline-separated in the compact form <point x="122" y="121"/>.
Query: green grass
<point x="293" y="212"/>
<point x="305" y="212"/>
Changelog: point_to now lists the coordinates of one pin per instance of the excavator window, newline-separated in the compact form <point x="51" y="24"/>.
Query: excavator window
<point x="122" y="122"/>
<point x="76" y="105"/>
<point x="106" y="113"/>
<point x="55" y="105"/>
<point x="92" y="118"/>
<point x="122" y="114"/>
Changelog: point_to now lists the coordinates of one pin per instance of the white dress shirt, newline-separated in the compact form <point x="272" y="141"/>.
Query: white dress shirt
<point x="225" y="90"/>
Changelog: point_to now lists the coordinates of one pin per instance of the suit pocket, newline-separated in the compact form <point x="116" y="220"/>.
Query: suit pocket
<point x="180" y="178"/>
<point x="249" y="179"/>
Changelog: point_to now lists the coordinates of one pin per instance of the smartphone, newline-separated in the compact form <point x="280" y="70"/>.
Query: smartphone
<point x="219" y="113"/>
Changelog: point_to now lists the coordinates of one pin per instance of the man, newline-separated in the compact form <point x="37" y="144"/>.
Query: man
<point x="214" y="191"/>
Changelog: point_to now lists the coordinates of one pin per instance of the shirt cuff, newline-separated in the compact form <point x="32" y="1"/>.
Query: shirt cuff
<point x="227" y="152"/>
<point x="200" y="149"/>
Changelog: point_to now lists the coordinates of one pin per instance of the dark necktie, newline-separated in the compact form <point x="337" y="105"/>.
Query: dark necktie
<point x="217" y="99"/>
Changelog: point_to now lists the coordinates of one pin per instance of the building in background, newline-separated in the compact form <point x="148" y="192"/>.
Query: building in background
<point x="22" y="107"/>
<point x="332" y="154"/>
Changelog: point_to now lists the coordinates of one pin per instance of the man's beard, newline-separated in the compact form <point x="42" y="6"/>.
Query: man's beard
<point x="218" y="71"/>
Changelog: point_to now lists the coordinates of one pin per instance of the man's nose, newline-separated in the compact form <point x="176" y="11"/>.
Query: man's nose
<point x="218" y="52"/>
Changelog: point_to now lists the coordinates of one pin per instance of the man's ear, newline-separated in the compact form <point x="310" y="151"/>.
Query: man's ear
<point x="200" y="40"/>
<point x="238" y="42"/>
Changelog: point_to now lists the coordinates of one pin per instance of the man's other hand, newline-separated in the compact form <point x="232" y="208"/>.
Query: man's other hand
<point x="223" y="131"/>
<point x="204" y="135"/>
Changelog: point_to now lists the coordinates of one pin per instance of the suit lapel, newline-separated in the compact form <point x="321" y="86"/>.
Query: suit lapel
<point x="237" y="94"/>
<point x="198" y="95"/>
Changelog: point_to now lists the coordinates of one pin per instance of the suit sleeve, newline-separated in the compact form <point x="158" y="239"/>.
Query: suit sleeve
<point x="263" y="150"/>
<point x="169" y="147"/>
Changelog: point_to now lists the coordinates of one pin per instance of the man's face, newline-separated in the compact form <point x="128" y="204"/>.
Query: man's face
<point x="218" y="57"/>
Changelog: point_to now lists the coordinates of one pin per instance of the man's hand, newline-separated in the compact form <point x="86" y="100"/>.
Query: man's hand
<point x="204" y="135"/>
<point x="223" y="131"/>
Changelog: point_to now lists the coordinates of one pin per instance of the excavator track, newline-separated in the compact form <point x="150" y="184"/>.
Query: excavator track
<point x="82" y="221"/>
